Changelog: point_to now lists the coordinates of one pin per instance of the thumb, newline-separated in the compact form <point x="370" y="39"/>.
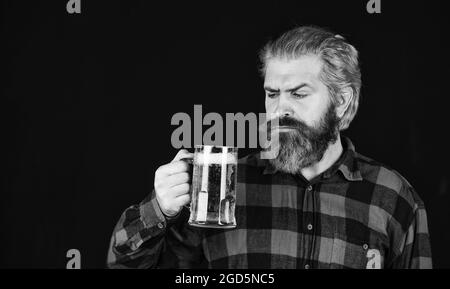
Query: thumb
<point x="183" y="154"/>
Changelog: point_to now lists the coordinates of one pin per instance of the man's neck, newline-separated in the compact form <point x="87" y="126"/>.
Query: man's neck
<point x="330" y="156"/>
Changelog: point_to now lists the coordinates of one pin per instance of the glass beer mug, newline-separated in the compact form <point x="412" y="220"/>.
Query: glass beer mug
<point x="214" y="179"/>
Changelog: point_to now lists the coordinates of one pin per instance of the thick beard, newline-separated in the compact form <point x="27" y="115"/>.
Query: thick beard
<point x="305" y="145"/>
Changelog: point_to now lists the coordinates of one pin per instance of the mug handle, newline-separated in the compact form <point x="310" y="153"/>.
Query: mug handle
<point x="190" y="161"/>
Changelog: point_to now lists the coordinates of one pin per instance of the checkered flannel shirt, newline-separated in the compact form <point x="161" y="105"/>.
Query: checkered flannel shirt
<point x="357" y="214"/>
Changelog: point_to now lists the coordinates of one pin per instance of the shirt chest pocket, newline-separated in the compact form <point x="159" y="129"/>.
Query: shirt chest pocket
<point x="354" y="254"/>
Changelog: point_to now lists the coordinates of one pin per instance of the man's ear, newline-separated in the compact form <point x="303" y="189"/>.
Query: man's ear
<point x="344" y="100"/>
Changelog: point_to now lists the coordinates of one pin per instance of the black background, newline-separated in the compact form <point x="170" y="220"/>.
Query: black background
<point x="88" y="98"/>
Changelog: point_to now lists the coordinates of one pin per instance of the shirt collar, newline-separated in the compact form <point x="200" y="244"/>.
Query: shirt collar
<point x="347" y="164"/>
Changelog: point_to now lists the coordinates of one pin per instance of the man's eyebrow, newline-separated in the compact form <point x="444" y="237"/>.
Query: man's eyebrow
<point x="298" y="87"/>
<point x="270" y="89"/>
<point x="267" y="88"/>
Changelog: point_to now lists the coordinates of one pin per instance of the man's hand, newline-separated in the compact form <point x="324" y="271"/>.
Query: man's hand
<point x="172" y="184"/>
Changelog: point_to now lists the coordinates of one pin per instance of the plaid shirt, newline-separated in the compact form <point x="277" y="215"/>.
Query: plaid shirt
<point x="357" y="214"/>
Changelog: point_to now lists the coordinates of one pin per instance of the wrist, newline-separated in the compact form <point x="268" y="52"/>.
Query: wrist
<point x="170" y="216"/>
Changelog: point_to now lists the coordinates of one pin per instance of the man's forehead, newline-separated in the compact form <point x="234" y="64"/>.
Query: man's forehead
<point x="285" y="72"/>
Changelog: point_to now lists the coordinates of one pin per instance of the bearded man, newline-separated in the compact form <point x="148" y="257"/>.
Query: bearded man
<point x="318" y="204"/>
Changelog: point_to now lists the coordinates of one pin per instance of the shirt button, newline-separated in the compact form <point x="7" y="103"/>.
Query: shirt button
<point x="160" y="225"/>
<point x="307" y="266"/>
<point x="365" y="247"/>
<point x="309" y="188"/>
<point x="310" y="227"/>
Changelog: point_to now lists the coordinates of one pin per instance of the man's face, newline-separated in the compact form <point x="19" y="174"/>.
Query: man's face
<point x="307" y="118"/>
<point x="293" y="88"/>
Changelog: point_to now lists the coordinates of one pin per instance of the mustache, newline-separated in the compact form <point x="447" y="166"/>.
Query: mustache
<point x="288" y="121"/>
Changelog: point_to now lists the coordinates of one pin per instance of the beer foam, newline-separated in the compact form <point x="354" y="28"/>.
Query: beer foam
<point x="215" y="158"/>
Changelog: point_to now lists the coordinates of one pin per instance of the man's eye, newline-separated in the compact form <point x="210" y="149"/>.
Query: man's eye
<point x="300" y="95"/>
<point x="271" y="95"/>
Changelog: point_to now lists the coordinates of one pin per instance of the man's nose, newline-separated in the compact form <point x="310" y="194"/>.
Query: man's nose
<point x="284" y="108"/>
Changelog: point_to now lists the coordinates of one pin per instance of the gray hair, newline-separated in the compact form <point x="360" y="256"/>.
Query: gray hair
<point x="340" y="61"/>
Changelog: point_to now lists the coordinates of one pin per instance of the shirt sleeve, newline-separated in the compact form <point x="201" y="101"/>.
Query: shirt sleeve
<point x="145" y="238"/>
<point x="415" y="247"/>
